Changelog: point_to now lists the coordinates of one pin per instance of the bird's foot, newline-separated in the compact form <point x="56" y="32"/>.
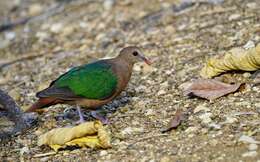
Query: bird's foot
<point x="103" y="119"/>
<point x="81" y="118"/>
<point x="80" y="121"/>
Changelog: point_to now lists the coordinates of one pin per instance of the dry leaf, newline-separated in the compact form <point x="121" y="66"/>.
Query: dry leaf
<point x="210" y="89"/>
<point x="90" y="134"/>
<point x="235" y="59"/>
<point x="176" y="121"/>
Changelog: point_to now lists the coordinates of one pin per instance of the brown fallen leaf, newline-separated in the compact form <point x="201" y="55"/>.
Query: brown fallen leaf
<point x="178" y="118"/>
<point x="210" y="89"/>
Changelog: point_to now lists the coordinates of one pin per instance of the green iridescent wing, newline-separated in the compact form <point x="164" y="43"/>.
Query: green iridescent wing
<point x="92" y="81"/>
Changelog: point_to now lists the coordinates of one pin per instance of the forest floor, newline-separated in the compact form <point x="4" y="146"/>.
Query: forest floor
<point x="61" y="34"/>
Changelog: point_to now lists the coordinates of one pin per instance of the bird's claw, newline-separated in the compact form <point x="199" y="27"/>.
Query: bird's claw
<point x="103" y="119"/>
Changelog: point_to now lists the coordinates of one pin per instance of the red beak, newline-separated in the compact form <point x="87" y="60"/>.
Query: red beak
<point x="148" y="62"/>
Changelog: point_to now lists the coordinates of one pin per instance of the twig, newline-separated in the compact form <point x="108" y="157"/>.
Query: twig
<point x="45" y="154"/>
<point x="22" y="58"/>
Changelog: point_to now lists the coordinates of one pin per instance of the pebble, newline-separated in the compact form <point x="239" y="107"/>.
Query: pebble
<point x="83" y="24"/>
<point x="24" y="150"/>
<point x="248" y="45"/>
<point x="234" y="16"/>
<point x="200" y="108"/>
<point x="35" y="9"/>
<point x="68" y="30"/>
<point x="249" y="154"/>
<point x="42" y="35"/>
<point x="165" y="159"/>
<point x="205" y="118"/>
<point x="56" y="28"/>
<point x="252" y="5"/>
<point x="252" y="147"/>
<point x="10" y="35"/>
<point x="149" y="112"/>
<point x="248" y="139"/>
<point x="130" y="130"/>
<point x="246" y="75"/>
<point x="230" y="120"/>
<point x="161" y="92"/>
<point x="3" y="80"/>
<point x="45" y="159"/>
<point x="108" y="4"/>
<point x="103" y="153"/>
<point x="191" y="129"/>
<point x="215" y="126"/>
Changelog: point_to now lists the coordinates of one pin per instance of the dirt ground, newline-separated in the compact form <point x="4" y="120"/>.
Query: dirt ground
<point x="62" y="33"/>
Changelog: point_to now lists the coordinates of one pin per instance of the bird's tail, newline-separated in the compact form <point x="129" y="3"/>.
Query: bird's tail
<point x="41" y="103"/>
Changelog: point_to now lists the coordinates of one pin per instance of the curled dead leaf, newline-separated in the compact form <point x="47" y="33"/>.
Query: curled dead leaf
<point x="210" y="89"/>
<point x="235" y="59"/>
<point x="88" y="134"/>
<point x="178" y="118"/>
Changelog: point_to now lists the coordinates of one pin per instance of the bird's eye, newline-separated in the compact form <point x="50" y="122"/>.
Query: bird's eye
<point x="135" y="53"/>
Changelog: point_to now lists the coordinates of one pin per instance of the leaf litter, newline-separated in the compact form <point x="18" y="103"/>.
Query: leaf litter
<point x="209" y="89"/>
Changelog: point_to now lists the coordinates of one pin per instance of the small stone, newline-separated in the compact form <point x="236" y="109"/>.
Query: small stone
<point x="68" y="30"/>
<point x="10" y="35"/>
<point x="149" y="112"/>
<point x="161" y="92"/>
<point x="252" y="5"/>
<point x="127" y="130"/>
<point x="137" y="68"/>
<point x="249" y="154"/>
<point x="213" y="142"/>
<point x="200" y="108"/>
<point x="165" y="159"/>
<point x="206" y="118"/>
<point x="103" y="153"/>
<point x="215" y="126"/>
<point x="246" y="75"/>
<point x="130" y="130"/>
<point x="234" y="16"/>
<point x="249" y="44"/>
<point x="108" y="4"/>
<point x="35" y="9"/>
<point x="56" y="28"/>
<point x="248" y="139"/>
<point x="45" y="159"/>
<point x="230" y="120"/>
<point x="252" y="147"/>
<point x="42" y="35"/>
<point x="148" y="69"/>
<point x="24" y="150"/>
<point x="3" y="80"/>
<point x="191" y="129"/>
<point x="83" y="24"/>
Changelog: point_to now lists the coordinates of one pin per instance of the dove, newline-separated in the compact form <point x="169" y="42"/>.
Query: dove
<point x="91" y="85"/>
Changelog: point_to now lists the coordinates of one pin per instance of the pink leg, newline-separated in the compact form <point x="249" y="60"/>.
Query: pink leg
<point x="103" y="119"/>
<point x="81" y="119"/>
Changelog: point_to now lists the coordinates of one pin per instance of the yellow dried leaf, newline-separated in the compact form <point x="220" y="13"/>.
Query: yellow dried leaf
<point x="88" y="134"/>
<point x="235" y="59"/>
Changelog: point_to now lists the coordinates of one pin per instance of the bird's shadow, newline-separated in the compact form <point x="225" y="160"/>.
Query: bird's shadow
<point x="70" y="113"/>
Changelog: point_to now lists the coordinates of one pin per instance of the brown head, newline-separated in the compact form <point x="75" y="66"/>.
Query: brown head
<point x="133" y="54"/>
